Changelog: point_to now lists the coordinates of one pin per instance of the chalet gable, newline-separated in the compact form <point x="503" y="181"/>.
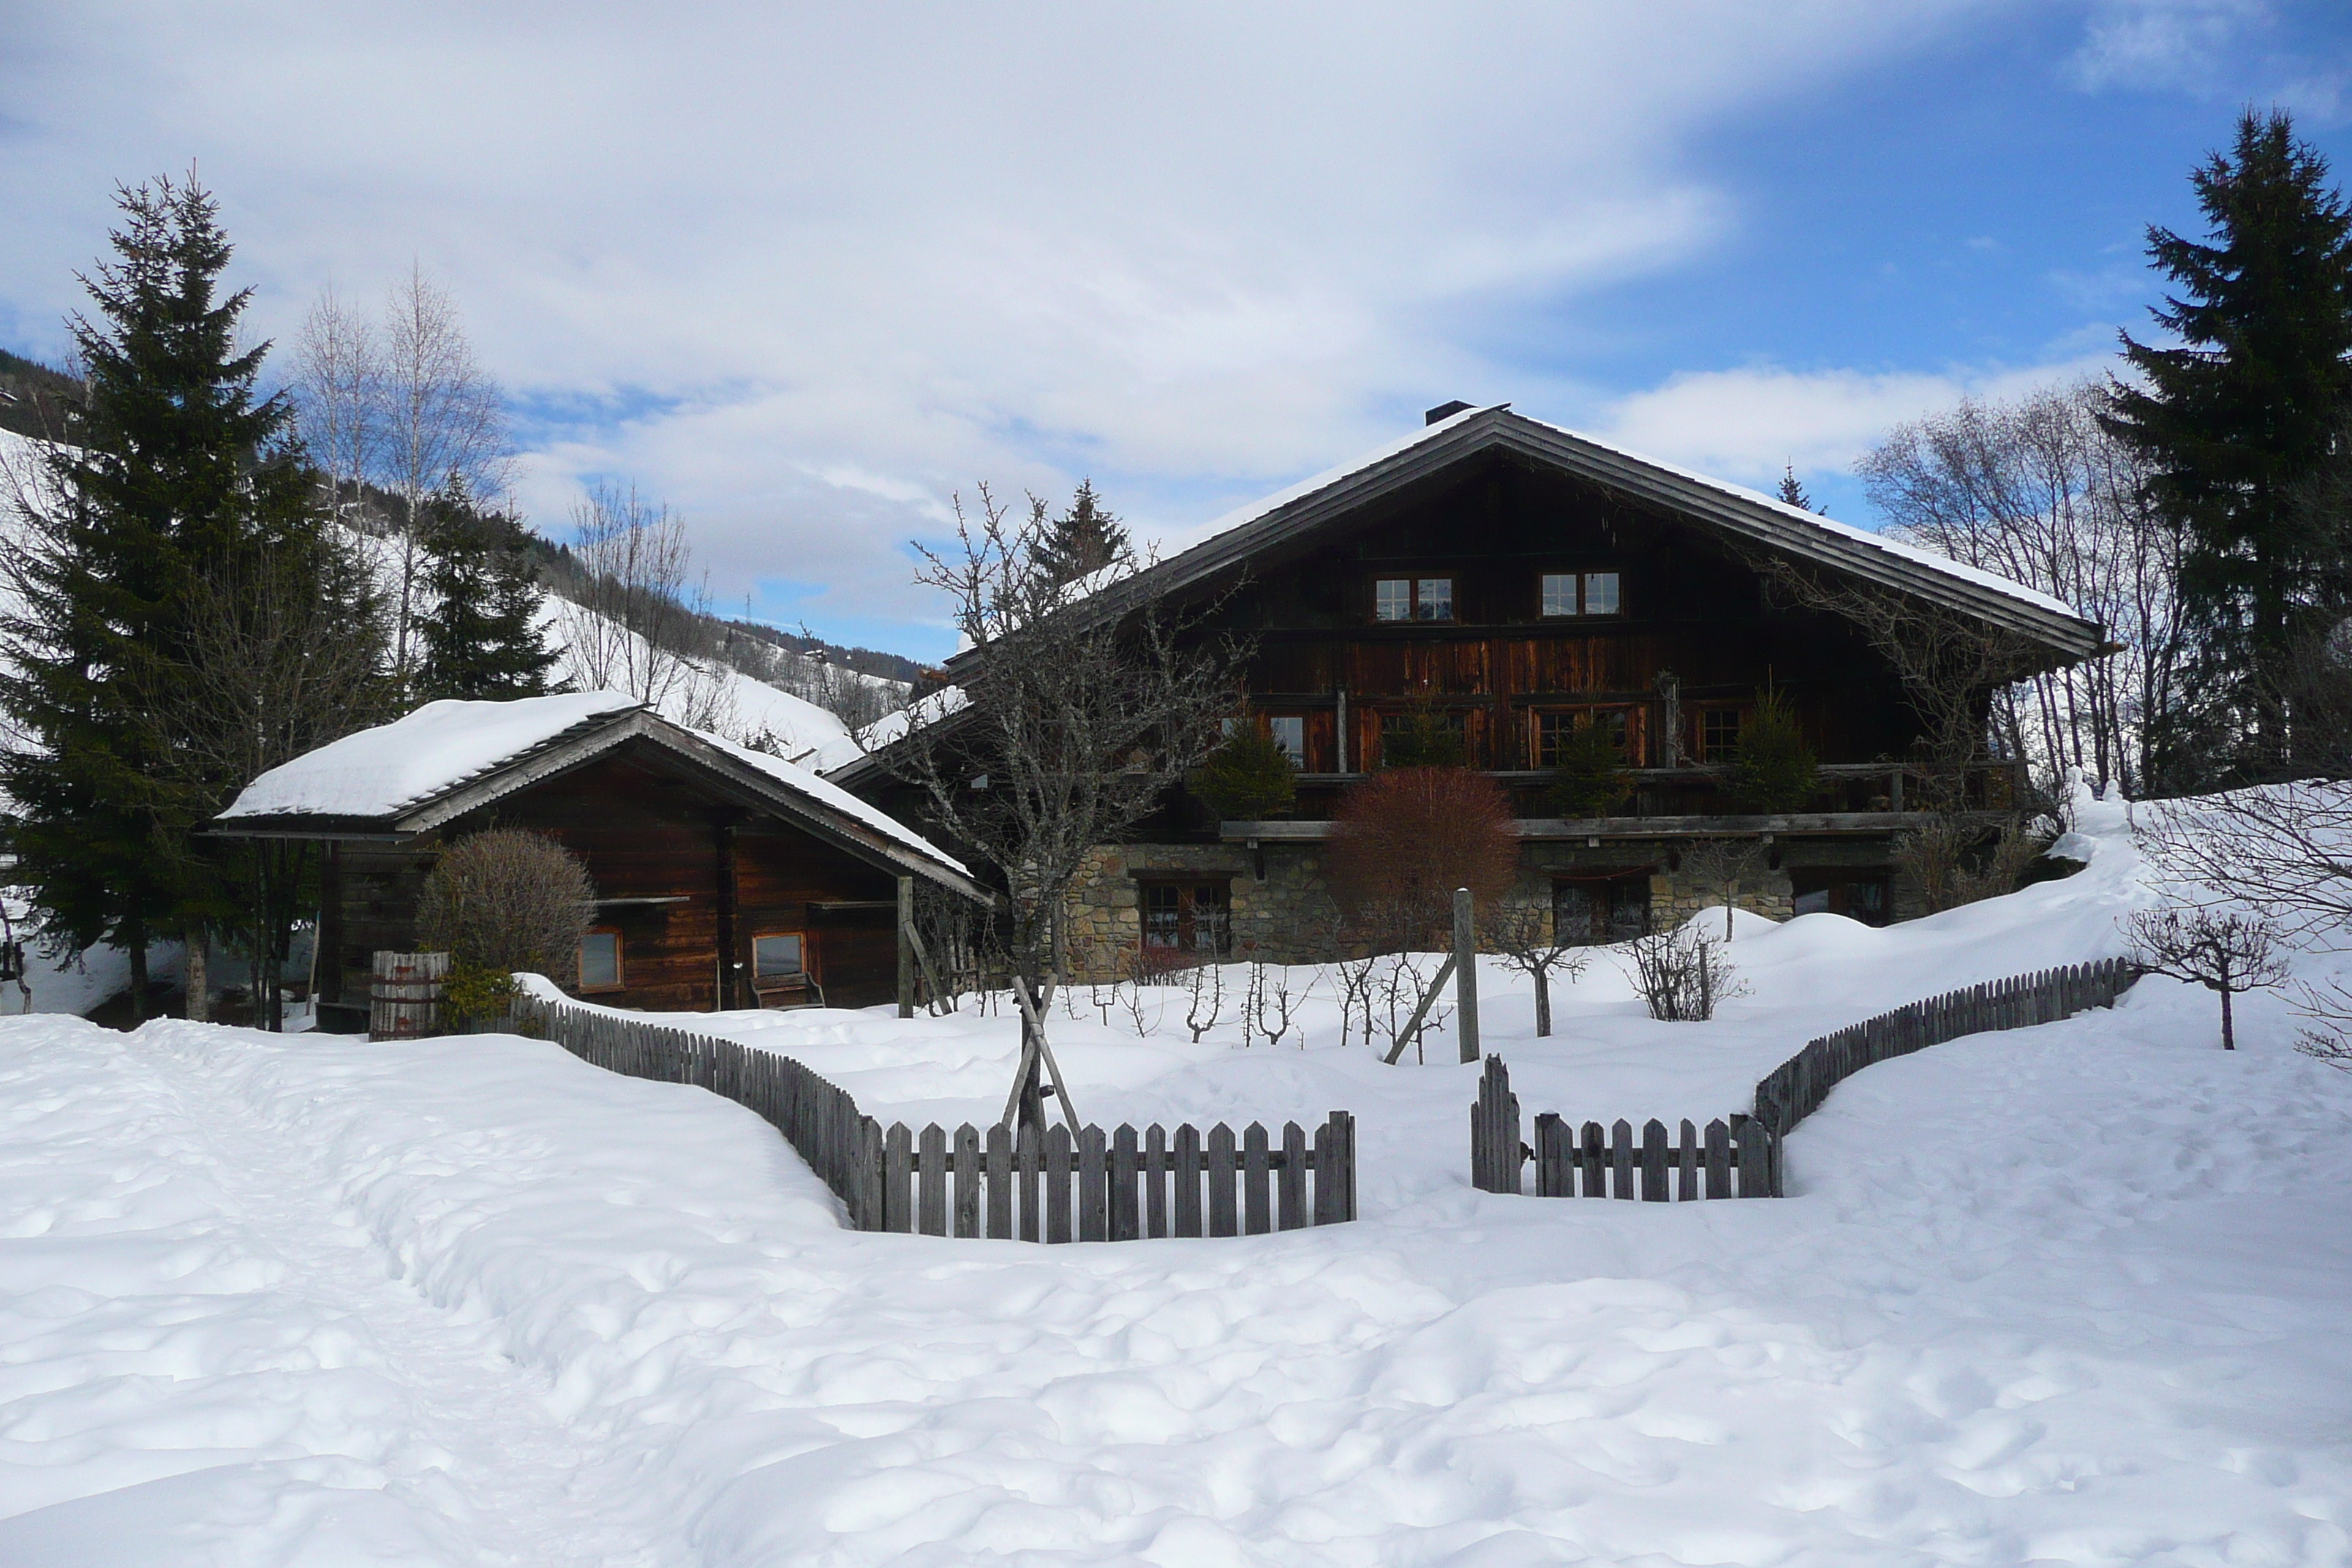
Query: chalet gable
<point x="1334" y="502"/>
<point x="400" y="781"/>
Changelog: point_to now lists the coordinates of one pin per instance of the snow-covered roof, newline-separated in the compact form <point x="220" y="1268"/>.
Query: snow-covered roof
<point x="1734" y="508"/>
<point x="384" y="771"/>
<point x="449" y="758"/>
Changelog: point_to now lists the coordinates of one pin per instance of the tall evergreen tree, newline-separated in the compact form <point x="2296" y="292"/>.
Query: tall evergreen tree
<point x="2237" y="421"/>
<point x="1083" y="540"/>
<point x="142" y="627"/>
<point x="482" y="637"/>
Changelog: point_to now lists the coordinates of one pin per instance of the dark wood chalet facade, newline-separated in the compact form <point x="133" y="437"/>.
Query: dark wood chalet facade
<point x="723" y="877"/>
<point x="1520" y="579"/>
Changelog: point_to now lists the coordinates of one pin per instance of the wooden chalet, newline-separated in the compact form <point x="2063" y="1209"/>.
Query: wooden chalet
<point x="724" y="878"/>
<point x="1520" y="579"/>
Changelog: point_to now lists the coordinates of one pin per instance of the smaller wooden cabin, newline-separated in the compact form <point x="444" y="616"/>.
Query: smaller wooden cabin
<point x="724" y="878"/>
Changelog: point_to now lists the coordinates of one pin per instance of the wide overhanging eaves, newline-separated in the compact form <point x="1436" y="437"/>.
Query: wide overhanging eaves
<point x="730" y="779"/>
<point x="2068" y="636"/>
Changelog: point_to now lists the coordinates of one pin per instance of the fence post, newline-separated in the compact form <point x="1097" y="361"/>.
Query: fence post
<point x="1466" y="976"/>
<point x="906" y="947"/>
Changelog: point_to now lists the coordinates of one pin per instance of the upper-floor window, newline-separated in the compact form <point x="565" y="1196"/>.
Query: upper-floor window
<point x="1582" y="594"/>
<point x="1413" y="599"/>
<point x="1718" y="734"/>
<point x="1555" y="730"/>
<point x="1289" y="733"/>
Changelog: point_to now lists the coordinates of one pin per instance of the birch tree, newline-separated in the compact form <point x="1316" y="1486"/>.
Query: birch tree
<point x="442" y="416"/>
<point x="337" y="390"/>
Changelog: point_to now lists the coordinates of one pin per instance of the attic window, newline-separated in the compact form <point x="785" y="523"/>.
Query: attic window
<point x="1412" y="599"/>
<point x="1580" y="594"/>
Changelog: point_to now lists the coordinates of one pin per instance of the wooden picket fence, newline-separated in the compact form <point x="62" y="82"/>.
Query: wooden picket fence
<point x="1736" y="1158"/>
<point x="817" y="1118"/>
<point x="1796" y="1089"/>
<point x="1121" y="1186"/>
<point x="1129" y="1185"/>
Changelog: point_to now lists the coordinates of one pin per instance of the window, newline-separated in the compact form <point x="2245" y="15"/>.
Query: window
<point x="1857" y="894"/>
<point x="1580" y="594"/>
<point x="1554" y="730"/>
<point x="1586" y="911"/>
<point x="1289" y="733"/>
<point x="1187" y="917"/>
<point x="779" y="958"/>
<point x="1420" y="738"/>
<point x="1413" y="599"/>
<point x="1718" y="734"/>
<point x="600" y="961"/>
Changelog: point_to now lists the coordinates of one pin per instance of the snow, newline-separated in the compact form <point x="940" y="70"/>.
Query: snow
<point x="808" y="783"/>
<point x="381" y="771"/>
<point x="2071" y="1294"/>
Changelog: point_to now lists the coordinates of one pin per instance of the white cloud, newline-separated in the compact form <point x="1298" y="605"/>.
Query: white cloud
<point x="1746" y="423"/>
<point x="2162" y="43"/>
<point x="848" y="259"/>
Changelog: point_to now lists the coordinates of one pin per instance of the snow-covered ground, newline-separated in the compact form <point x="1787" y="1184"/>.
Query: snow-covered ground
<point x="2072" y="1294"/>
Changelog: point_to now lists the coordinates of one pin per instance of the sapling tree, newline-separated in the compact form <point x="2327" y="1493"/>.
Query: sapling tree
<point x="1078" y="721"/>
<point x="1774" y="768"/>
<point x="2225" y="951"/>
<point x="1521" y="934"/>
<point x="1719" y="864"/>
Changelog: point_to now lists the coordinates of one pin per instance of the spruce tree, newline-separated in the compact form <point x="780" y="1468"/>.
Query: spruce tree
<point x="162" y="488"/>
<point x="2239" y="420"/>
<point x="1083" y="540"/>
<point x="482" y="637"/>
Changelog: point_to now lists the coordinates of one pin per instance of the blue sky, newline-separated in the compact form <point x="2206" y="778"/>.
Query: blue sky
<point x="807" y="273"/>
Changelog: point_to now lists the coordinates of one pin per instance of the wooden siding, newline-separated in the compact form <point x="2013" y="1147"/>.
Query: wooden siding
<point x="646" y="833"/>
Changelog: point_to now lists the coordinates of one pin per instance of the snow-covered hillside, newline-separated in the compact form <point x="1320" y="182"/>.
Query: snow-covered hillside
<point x="2071" y="1294"/>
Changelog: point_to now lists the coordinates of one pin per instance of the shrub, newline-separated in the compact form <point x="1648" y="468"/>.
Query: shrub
<point x="1406" y="838"/>
<point x="1774" y="770"/>
<point x="1428" y="737"/>
<point x="1683" y="975"/>
<point x="1593" y="778"/>
<point x="503" y="900"/>
<point x="1249" y="778"/>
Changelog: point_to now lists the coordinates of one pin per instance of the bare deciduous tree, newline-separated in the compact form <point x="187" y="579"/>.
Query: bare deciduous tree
<point x="2226" y="950"/>
<point x="1077" y="725"/>
<point x="339" y="399"/>
<point x="1522" y="935"/>
<point x="2041" y="491"/>
<point x="2286" y="850"/>
<point x="1719" y="864"/>
<point x="439" y="415"/>
<point x="284" y="651"/>
<point x="635" y="617"/>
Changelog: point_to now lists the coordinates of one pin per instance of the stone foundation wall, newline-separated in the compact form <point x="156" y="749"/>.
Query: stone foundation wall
<point x="1287" y="914"/>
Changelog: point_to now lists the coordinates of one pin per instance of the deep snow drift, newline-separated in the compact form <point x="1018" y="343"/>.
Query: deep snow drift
<point x="2067" y="1294"/>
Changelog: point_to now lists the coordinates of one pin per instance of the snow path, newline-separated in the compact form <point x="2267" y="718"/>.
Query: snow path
<point x="350" y="1411"/>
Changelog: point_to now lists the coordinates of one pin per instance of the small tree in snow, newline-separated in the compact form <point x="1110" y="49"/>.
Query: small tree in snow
<point x="2225" y="951"/>
<point x="1521" y="934"/>
<point x="1683" y="975"/>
